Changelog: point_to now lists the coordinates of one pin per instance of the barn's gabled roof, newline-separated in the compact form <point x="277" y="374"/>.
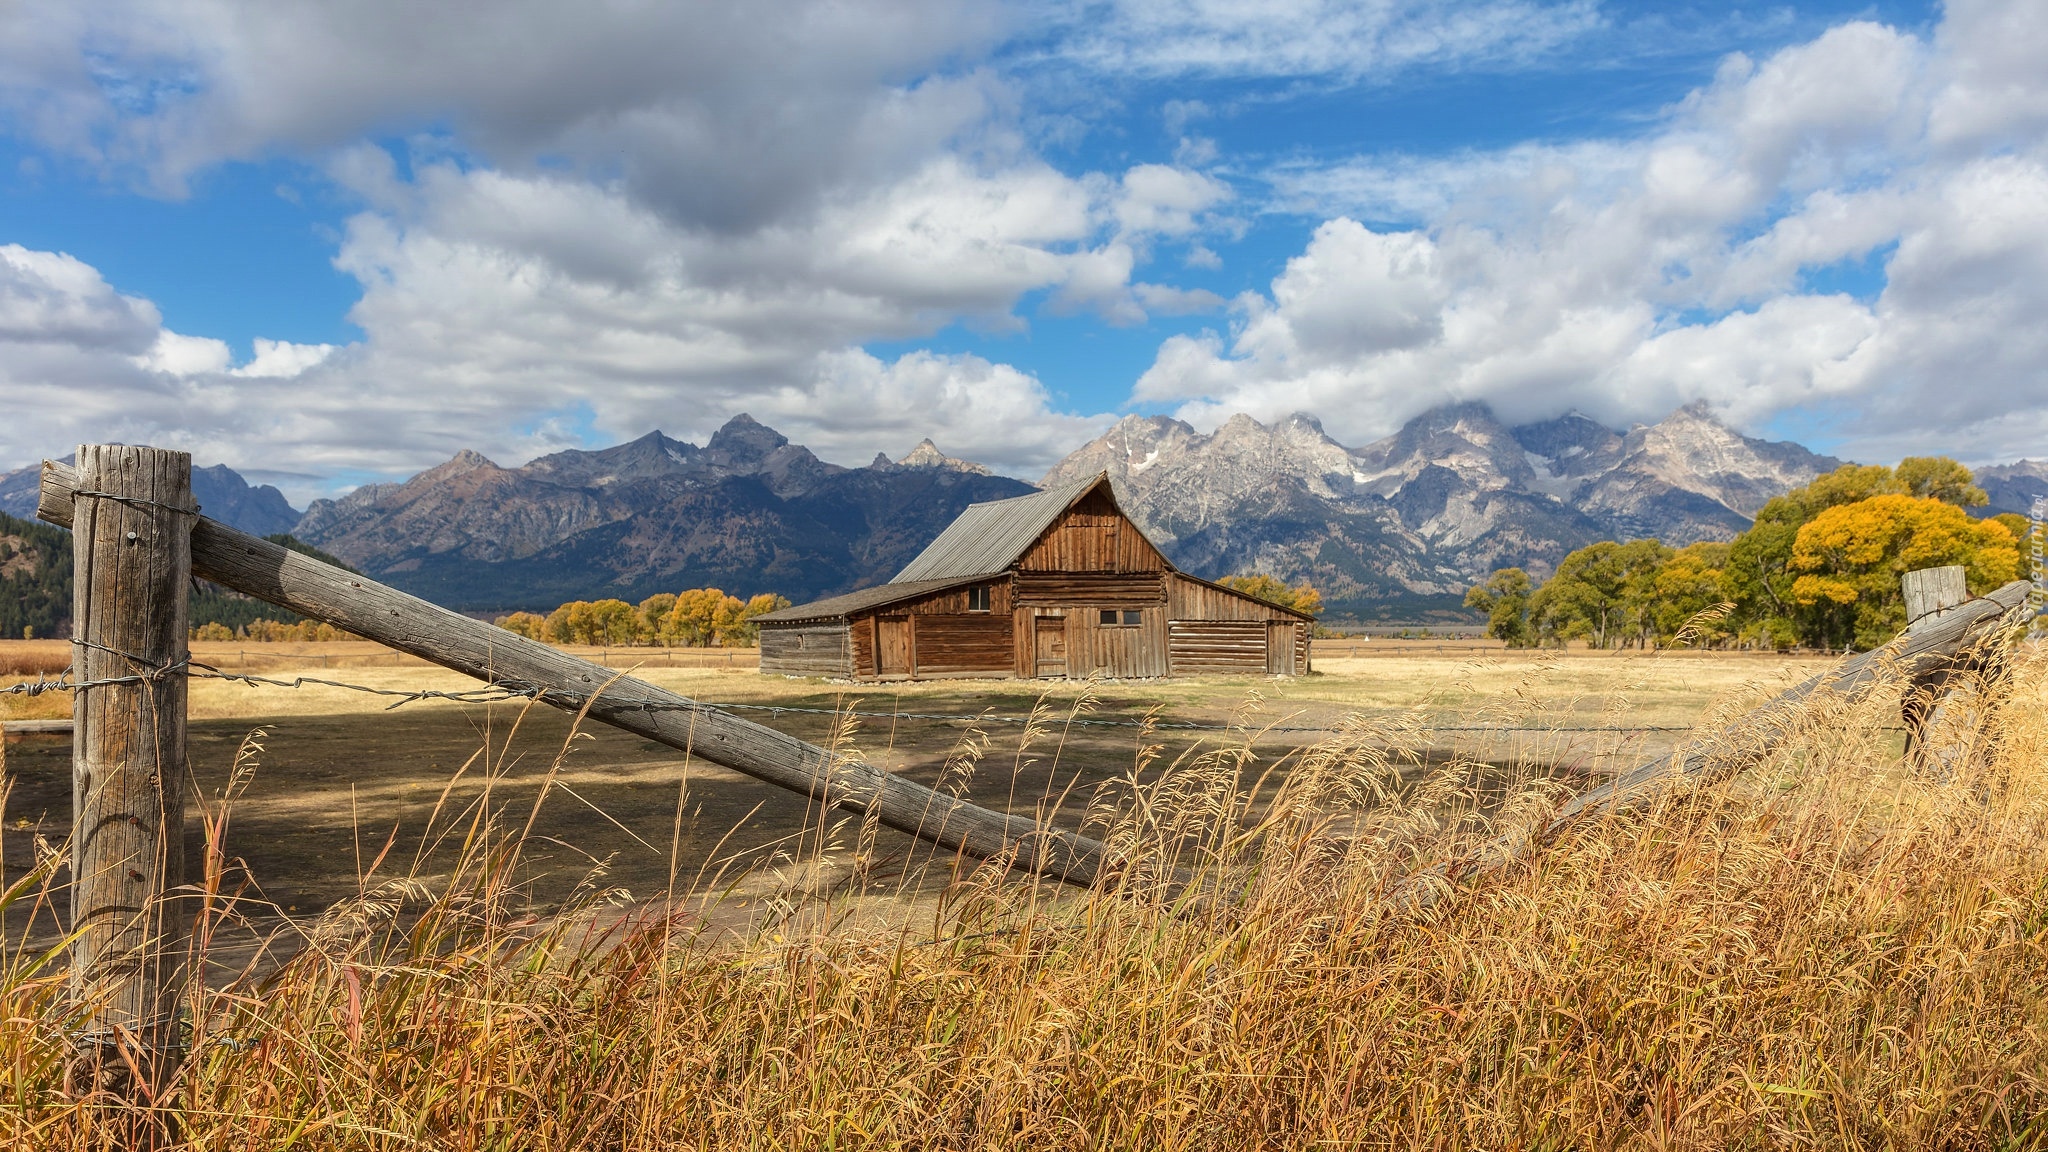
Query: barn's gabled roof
<point x="988" y="538"/>
<point x="839" y="607"/>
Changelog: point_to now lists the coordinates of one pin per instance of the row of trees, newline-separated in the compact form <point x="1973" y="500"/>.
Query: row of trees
<point x="267" y="631"/>
<point x="698" y="618"/>
<point x="1819" y="567"/>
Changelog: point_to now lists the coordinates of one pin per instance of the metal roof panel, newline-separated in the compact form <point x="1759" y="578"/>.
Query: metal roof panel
<point x="988" y="538"/>
<point x="838" y="607"/>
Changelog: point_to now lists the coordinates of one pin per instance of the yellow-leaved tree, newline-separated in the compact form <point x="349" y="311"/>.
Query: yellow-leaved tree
<point x="1847" y="561"/>
<point x="603" y="622"/>
<point x="1301" y="597"/>
<point x="531" y="625"/>
<point x="697" y="616"/>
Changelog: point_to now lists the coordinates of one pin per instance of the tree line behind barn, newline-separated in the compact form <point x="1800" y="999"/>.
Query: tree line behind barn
<point x="696" y="618"/>
<point x="1059" y="583"/>
<point x="1820" y="567"/>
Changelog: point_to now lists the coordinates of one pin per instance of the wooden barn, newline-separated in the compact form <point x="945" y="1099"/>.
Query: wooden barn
<point x="1059" y="583"/>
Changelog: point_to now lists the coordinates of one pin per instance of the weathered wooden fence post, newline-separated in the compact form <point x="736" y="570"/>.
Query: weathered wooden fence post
<point x="1929" y="592"/>
<point x="132" y="544"/>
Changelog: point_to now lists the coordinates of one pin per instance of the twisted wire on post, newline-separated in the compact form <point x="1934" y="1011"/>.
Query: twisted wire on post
<point x="134" y="501"/>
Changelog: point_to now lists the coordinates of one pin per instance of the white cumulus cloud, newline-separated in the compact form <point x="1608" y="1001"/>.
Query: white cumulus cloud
<point x="1626" y="277"/>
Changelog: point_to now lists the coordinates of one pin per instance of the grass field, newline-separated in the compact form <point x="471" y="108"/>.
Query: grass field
<point x="1828" y="953"/>
<point x="341" y="769"/>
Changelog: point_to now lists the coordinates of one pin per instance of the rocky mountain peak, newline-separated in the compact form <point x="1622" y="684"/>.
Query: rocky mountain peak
<point x="744" y="440"/>
<point x="462" y="463"/>
<point x="927" y="455"/>
<point x="1465" y="439"/>
<point x="652" y="455"/>
<point x="1571" y="444"/>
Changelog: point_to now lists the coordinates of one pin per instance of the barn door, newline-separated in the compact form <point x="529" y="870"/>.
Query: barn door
<point x="1280" y="649"/>
<point x="1049" y="646"/>
<point x="892" y="646"/>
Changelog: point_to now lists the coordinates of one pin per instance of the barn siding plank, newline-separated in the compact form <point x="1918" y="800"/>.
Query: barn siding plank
<point x="1196" y="647"/>
<point x="1090" y="589"/>
<point x="807" y="650"/>
<point x="981" y="643"/>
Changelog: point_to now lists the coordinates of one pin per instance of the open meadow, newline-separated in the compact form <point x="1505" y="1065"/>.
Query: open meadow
<point x="1828" y="952"/>
<point x="343" y="771"/>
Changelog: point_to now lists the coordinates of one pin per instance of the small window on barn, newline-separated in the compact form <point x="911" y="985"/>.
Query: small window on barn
<point x="1133" y="616"/>
<point x="1109" y="615"/>
<point x="1111" y="618"/>
<point x="977" y="598"/>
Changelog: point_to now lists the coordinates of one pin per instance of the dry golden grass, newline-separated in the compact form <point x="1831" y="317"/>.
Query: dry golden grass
<point x="1829" y="952"/>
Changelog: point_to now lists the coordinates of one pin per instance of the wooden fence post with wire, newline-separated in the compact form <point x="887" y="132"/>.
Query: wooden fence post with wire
<point x="131" y="541"/>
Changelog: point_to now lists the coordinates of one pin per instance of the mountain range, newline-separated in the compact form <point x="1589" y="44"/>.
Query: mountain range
<point x="748" y="512"/>
<point x="1450" y="497"/>
<point x="220" y="490"/>
<point x="1395" y="529"/>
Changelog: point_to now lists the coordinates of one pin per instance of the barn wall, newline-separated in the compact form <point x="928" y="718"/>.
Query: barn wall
<point x="1122" y="650"/>
<point x="1024" y="627"/>
<point x="964" y="643"/>
<point x="1193" y="600"/>
<point x="807" y="649"/>
<point x="1090" y="589"/>
<point x="1216" y="647"/>
<point x="954" y="601"/>
<point x="861" y="631"/>
<point x="1092" y="537"/>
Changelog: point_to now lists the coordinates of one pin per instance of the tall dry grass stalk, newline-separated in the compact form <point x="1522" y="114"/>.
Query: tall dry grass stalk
<point x="1832" y="951"/>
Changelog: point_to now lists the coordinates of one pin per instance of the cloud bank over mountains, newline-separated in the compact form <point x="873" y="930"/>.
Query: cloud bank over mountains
<point x="1625" y="279"/>
<point x="575" y="223"/>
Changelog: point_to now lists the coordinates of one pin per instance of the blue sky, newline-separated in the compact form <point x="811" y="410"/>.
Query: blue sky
<point x="326" y="243"/>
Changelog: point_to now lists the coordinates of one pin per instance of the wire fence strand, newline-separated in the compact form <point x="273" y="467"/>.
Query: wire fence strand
<point x="512" y="690"/>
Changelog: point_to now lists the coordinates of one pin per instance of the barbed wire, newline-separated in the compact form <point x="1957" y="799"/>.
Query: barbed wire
<point x="1168" y="725"/>
<point x="133" y="501"/>
<point x="508" y="690"/>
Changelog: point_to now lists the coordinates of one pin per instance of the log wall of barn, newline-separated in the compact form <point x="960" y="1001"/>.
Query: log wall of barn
<point x="817" y="649"/>
<point x="963" y="644"/>
<point x="1190" y="599"/>
<point x="1216" y="647"/>
<point x="1090" y="589"/>
<point x="953" y="601"/>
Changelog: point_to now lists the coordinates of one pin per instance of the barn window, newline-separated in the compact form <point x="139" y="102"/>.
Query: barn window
<point x="977" y="598"/>
<point x="1113" y="618"/>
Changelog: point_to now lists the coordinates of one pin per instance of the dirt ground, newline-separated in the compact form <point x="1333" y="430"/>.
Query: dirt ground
<point x="341" y="774"/>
